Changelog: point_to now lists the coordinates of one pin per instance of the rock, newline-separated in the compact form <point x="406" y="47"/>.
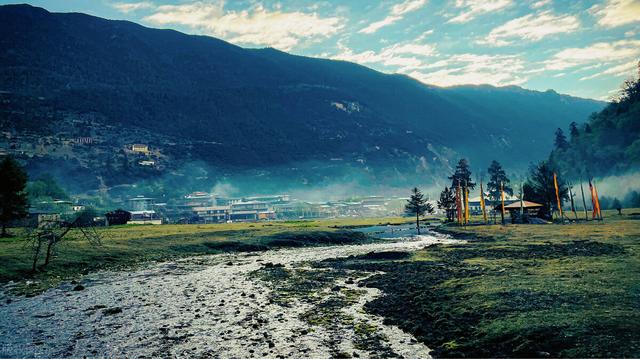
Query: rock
<point x="111" y="311"/>
<point x="78" y="287"/>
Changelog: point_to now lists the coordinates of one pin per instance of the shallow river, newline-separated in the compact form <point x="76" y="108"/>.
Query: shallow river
<point x="208" y="306"/>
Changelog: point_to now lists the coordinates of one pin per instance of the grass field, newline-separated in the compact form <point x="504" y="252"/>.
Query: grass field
<point x="125" y="246"/>
<point x="519" y="290"/>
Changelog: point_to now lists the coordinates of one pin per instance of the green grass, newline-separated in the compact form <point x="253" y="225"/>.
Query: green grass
<point x="126" y="246"/>
<point x="519" y="290"/>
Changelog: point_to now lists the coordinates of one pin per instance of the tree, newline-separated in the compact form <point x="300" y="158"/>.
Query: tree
<point x="617" y="206"/>
<point x="462" y="175"/>
<point x="561" y="140"/>
<point x="417" y="205"/>
<point x="48" y="235"/>
<point x="45" y="188"/>
<point x="13" y="198"/>
<point x="498" y="180"/>
<point x="447" y="203"/>
<point x="587" y="128"/>
<point x="541" y="189"/>
<point x="573" y="130"/>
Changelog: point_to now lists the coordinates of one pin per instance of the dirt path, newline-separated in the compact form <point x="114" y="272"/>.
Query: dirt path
<point x="216" y="306"/>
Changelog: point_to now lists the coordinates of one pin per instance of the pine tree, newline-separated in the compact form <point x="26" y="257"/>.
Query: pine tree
<point x="13" y="198"/>
<point x="561" y="140"/>
<point x="498" y="181"/>
<point x="418" y="206"/>
<point x="541" y="189"/>
<point x="447" y="203"/>
<point x="462" y="175"/>
<point x="573" y="130"/>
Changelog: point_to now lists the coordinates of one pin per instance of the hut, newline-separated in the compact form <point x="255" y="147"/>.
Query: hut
<point x="529" y="209"/>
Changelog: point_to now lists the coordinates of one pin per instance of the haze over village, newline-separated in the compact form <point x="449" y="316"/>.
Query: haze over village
<point x="320" y="179"/>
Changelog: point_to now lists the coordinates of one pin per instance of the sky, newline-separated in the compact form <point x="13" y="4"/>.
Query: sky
<point x="582" y="48"/>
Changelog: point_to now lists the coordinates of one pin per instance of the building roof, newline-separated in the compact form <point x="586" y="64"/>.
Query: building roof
<point x="525" y="204"/>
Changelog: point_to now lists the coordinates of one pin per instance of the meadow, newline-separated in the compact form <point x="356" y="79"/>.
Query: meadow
<point x="553" y="290"/>
<point x="123" y="247"/>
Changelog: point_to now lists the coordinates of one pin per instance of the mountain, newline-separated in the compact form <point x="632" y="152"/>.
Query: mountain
<point x="69" y="76"/>
<point x="608" y="143"/>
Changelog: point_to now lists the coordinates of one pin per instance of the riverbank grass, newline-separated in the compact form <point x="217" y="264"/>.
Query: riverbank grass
<point x="126" y="246"/>
<point x="519" y="290"/>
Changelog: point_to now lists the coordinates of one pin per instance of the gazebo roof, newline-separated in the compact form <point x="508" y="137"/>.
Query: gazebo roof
<point x="525" y="204"/>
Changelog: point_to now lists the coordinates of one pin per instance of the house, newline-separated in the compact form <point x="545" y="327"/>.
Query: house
<point x="140" y="148"/>
<point x="140" y="203"/>
<point x="144" y="217"/>
<point x="212" y="214"/>
<point x="529" y="209"/>
<point x="38" y="218"/>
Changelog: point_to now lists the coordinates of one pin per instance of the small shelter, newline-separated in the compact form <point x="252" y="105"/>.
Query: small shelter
<point x="529" y="209"/>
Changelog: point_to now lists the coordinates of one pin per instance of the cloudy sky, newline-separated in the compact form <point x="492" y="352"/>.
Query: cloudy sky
<point x="583" y="48"/>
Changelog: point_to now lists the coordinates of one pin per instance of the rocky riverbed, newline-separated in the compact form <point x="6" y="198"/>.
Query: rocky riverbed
<point x="265" y="304"/>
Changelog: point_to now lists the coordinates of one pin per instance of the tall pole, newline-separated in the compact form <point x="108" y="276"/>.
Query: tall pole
<point x="482" y="204"/>
<point x="584" y="202"/>
<point x="502" y="196"/>
<point x="521" y="203"/>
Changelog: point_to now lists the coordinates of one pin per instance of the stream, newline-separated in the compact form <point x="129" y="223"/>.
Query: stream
<point x="212" y="307"/>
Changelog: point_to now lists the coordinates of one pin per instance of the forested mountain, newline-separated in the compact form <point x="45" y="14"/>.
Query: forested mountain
<point x="197" y="98"/>
<point x="608" y="143"/>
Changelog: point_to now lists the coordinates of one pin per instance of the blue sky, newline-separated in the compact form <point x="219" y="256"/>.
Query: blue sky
<point x="583" y="48"/>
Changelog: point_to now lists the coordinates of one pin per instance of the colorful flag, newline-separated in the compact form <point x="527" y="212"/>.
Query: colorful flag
<point x="484" y="211"/>
<point x="593" y="200"/>
<point x="466" y="203"/>
<point x="555" y="183"/>
<point x="595" y="190"/>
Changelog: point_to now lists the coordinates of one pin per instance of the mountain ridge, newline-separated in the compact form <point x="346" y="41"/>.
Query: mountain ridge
<point x="265" y="108"/>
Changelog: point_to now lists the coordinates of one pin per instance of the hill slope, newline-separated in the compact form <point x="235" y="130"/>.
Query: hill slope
<point x="261" y="109"/>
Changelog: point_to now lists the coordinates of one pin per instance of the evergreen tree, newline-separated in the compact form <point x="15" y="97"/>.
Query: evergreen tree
<point x="13" y="198"/>
<point x="541" y="189"/>
<point x="587" y="128"/>
<point x="462" y="175"/>
<point x="573" y="130"/>
<point x="418" y="206"/>
<point x="447" y="203"/>
<point x="561" y="140"/>
<point x="45" y="188"/>
<point x="497" y="180"/>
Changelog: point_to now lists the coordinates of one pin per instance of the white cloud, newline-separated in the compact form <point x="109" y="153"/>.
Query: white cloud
<point x="255" y="26"/>
<point x="617" y="12"/>
<point x="472" y="69"/>
<point x="474" y="8"/>
<point x="624" y="69"/>
<point x="134" y="6"/>
<point x="399" y="55"/>
<point x="396" y="14"/>
<point x="541" y="3"/>
<point x="601" y="52"/>
<point x="532" y="27"/>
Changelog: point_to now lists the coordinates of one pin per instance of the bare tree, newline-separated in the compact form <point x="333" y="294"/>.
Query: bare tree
<point x="49" y="234"/>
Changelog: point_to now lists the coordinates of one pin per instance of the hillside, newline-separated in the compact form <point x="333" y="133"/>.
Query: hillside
<point x="608" y="143"/>
<point x="196" y="99"/>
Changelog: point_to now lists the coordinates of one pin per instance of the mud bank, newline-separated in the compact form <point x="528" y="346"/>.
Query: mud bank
<point x="224" y="306"/>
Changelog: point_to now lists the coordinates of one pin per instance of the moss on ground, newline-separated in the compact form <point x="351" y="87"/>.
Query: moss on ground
<point x="517" y="291"/>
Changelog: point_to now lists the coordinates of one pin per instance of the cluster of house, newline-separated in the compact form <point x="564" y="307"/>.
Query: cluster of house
<point x="202" y="208"/>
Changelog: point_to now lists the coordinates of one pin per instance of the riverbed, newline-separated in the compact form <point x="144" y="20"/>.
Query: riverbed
<point x="216" y="306"/>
